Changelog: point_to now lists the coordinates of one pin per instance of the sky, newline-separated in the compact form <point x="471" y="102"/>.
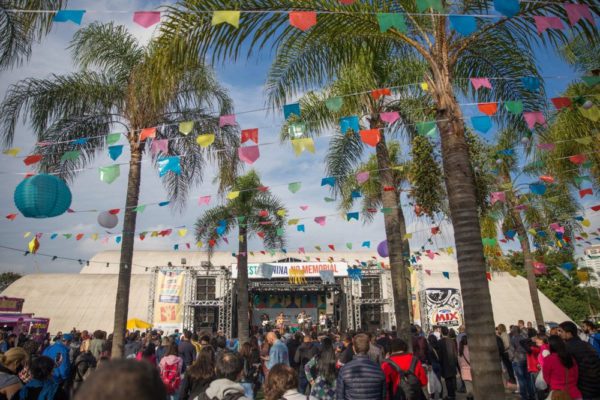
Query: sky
<point x="277" y="167"/>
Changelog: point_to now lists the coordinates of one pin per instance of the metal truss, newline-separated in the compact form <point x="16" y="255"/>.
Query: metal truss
<point x="152" y="294"/>
<point x="226" y="307"/>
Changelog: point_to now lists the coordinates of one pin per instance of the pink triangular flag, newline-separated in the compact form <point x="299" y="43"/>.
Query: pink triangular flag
<point x="497" y="196"/>
<point x="146" y="18"/>
<point x="428" y="272"/>
<point x="390" y="117"/>
<point x="480" y="82"/>
<point x="321" y="220"/>
<point x="160" y="145"/>
<point x="304" y="208"/>
<point x="301" y="250"/>
<point x="362" y="177"/>
<point x="249" y="154"/>
<point x="554" y="226"/>
<point x="534" y="117"/>
<point x="542" y="23"/>
<point x="204" y="200"/>
<point x="225" y="120"/>
<point x="226" y="240"/>
<point x="546" y="146"/>
<point x="577" y="11"/>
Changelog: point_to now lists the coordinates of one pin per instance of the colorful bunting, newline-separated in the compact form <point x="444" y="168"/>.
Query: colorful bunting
<point x="376" y="94"/>
<point x="303" y="20"/>
<point x="389" y="117"/>
<point x="578" y="159"/>
<point x="352" y="215"/>
<point x="249" y="154"/>
<point x="146" y="18"/>
<point x="233" y="195"/>
<point x="109" y="173"/>
<point x="366" y="244"/>
<point x="113" y="138"/>
<point x="592" y="113"/>
<point x="300" y="228"/>
<point x="497" y="197"/>
<point x="334" y="104"/>
<point x="115" y="152"/>
<point x="514" y="106"/>
<point x="488" y="108"/>
<point x="294" y="187"/>
<point x="203" y="200"/>
<point x="186" y="127"/>
<point x="362" y="177"/>
<point x="575" y="12"/>
<point x="561" y="102"/>
<point x="465" y="25"/>
<point x="205" y="140"/>
<point x="227" y="120"/>
<point x="391" y="20"/>
<point x="423" y="5"/>
<point x="11" y="217"/>
<point x="537" y="188"/>
<point x="160" y="146"/>
<point x="546" y="146"/>
<point x="446" y="274"/>
<point x="479" y="82"/>
<point x="481" y="123"/>
<point x="74" y="16"/>
<point x="585" y="192"/>
<point x="534" y="117"/>
<point x="166" y="164"/>
<point x="542" y="23"/>
<point x="427" y="128"/>
<point x="70" y="155"/>
<point x="531" y="83"/>
<point x="32" y="159"/>
<point x="347" y="123"/>
<point x="147" y="133"/>
<point x="328" y="181"/>
<point x="291" y="109"/>
<point x="250" y="134"/>
<point x="304" y="144"/>
<point x="370" y="137"/>
<point x="230" y="17"/>
<point x="508" y="8"/>
<point x="321" y="220"/>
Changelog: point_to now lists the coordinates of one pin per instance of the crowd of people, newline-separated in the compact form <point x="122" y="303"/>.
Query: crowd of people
<point x="538" y="364"/>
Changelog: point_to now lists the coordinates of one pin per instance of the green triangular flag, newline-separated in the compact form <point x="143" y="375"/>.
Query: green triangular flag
<point x="186" y="127"/>
<point x="386" y="210"/>
<point x="272" y="252"/>
<point x="296" y="129"/>
<point x="110" y="173"/>
<point x="515" y="107"/>
<point x="391" y="20"/>
<point x="334" y="104"/>
<point x="489" y="241"/>
<point x="67" y="235"/>
<point x="280" y="231"/>
<point x="423" y="5"/>
<point x="329" y="199"/>
<point x="294" y="186"/>
<point x="112" y="138"/>
<point x="591" y="81"/>
<point x="587" y="164"/>
<point x="140" y="208"/>
<point x="349" y="246"/>
<point x="241" y="219"/>
<point x="584" y="140"/>
<point x="427" y="128"/>
<point x="535" y="164"/>
<point x="70" y="155"/>
<point x="495" y="215"/>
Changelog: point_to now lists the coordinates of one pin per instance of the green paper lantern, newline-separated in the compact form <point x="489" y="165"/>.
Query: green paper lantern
<point x="42" y="196"/>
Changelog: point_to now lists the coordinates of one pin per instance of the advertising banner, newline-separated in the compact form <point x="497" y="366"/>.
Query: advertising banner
<point x="38" y="328"/>
<point x="11" y="304"/>
<point x="440" y="307"/>
<point x="168" y="301"/>
<point x="282" y="270"/>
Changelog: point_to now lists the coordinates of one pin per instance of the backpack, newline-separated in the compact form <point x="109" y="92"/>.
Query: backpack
<point x="409" y="386"/>
<point x="170" y="377"/>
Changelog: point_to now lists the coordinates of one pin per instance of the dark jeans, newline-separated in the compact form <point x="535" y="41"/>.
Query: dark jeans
<point x="508" y="366"/>
<point x="302" y="381"/>
<point x="525" y="388"/>
<point x="451" y="387"/>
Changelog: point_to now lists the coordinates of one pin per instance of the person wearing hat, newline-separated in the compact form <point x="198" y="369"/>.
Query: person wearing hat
<point x="59" y="352"/>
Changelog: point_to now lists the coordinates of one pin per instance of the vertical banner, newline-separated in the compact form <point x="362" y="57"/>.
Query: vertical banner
<point x="168" y="301"/>
<point x="441" y="307"/>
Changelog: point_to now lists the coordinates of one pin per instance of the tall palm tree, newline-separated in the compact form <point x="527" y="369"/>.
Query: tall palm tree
<point x="370" y="69"/>
<point x="255" y="212"/>
<point x="22" y="24"/>
<point x="501" y="47"/>
<point x="111" y="91"/>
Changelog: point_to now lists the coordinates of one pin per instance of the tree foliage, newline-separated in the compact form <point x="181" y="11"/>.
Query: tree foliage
<point x="426" y="177"/>
<point x="7" y="278"/>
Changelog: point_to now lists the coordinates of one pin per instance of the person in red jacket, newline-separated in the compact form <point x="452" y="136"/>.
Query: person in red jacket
<point x="403" y="359"/>
<point x="560" y="371"/>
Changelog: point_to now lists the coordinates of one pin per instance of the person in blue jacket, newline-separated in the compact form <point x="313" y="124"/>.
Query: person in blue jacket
<point x="59" y="352"/>
<point x="589" y="328"/>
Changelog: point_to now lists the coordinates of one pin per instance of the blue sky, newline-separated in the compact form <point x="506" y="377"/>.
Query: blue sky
<point x="277" y="166"/>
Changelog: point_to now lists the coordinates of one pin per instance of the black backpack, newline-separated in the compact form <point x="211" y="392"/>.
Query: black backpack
<point x="409" y="386"/>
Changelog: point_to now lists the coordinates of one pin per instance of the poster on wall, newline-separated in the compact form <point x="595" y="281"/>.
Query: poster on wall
<point x="11" y="304"/>
<point x="168" y="301"/>
<point x="440" y="307"/>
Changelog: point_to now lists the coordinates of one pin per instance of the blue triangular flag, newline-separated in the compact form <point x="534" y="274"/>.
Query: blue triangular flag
<point x="481" y="123"/>
<point x="118" y="239"/>
<point x="446" y="274"/>
<point x="531" y="83"/>
<point x="537" y="188"/>
<point x="115" y="152"/>
<point x="506" y="152"/>
<point x="167" y="164"/>
<point x="366" y="244"/>
<point x="356" y="194"/>
<point x="568" y="266"/>
<point x="69" y="15"/>
<point x="175" y="247"/>
<point x="349" y="123"/>
<point x="53" y="236"/>
<point x="79" y="142"/>
<point x="509" y="8"/>
<point x="220" y="229"/>
<point x="463" y="24"/>
<point x="510" y="233"/>
<point x="290" y="109"/>
<point x="300" y="228"/>
<point x="352" y="215"/>
<point x="541" y="234"/>
<point x="163" y="203"/>
<point x="328" y="181"/>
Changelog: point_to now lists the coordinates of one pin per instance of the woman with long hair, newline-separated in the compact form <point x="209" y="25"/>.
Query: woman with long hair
<point x="464" y="362"/>
<point x="170" y="367"/>
<point x="560" y="371"/>
<point x="250" y="371"/>
<point x="322" y="386"/>
<point x="199" y="375"/>
<point x="12" y="363"/>
<point x="282" y="384"/>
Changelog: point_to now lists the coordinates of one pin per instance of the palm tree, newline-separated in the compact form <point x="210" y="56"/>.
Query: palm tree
<point x="22" y="24"/>
<point x="501" y="47"/>
<point x="113" y="88"/>
<point x="346" y="149"/>
<point x="255" y="212"/>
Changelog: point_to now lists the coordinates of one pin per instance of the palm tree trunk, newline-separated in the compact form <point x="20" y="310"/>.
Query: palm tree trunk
<point x="128" y="236"/>
<point x="242" y="287"/>
<point x="460" y="185"/>
<point x="528" y="258"/>
<point x="395" y="230"/>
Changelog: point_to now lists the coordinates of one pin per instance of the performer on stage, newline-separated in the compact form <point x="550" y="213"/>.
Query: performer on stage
<point x="303" y="320"/>
<point x="266" y="321"/>
<point x="323" y="321"/>
<point x="280" y="321"/>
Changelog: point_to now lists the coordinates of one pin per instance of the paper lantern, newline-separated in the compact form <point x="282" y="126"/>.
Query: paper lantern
<point x="107" y="220"/>
<point x="382" y="249"/>
<point x="42" y="196"/>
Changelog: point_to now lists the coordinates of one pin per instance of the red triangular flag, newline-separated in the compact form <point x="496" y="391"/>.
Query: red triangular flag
<point x="488" y="275"/>
<point x="547" y="179"/>
<point x="79" y="236"/>
<point x="303" y="20"/>
<point x="263" y="213"/>
<point x="388" y="189"/>
<point x="585" y="192"/>
<point x="32" y="159"/>
<point x="370" y="137"/>
<point x="578" y="159"/>
<point x="212" y="242"/>
<point x="596" y="208"/>
<point x="263" y="188"/>
<point x="332" y="247"/>
<point x="11" y="217"/>
<point x="378" y="93"/>
<point x="142" y="236"/>
<point x="561" y="102"/>
<point x="250" y="134"/>
<point x="114" y="211"/>
<point x="261" y="235"/>
<point x="488" y="108"/>
<point x="147" y="133"/>
<point x="435" y="230"/>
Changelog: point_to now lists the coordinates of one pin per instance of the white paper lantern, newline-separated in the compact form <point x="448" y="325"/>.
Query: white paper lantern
<point x="107" y="220"/>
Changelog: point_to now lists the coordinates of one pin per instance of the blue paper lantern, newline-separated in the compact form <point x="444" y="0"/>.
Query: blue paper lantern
<point x="42" y="196"/>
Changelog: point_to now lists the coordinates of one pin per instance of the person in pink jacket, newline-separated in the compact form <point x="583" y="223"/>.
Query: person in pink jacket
<point x="464" y="363"/>
<point x="560" y="369"/>
<point x="170" y="370"/>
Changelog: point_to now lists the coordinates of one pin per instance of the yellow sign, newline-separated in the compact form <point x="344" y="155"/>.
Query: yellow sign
<point x="168" y="301"/>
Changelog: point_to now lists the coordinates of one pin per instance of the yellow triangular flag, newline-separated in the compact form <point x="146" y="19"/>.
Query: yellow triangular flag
<point x="583" y="276"/>
<point x="408" y="236"/>
<point x="585" y="235"/>
<point x="94" y="236"/>
<point x="34" y="245"/>
<point x="585" y="222"/>
<point x="592" y="113"/>
<point x="12" y="152"/>
<point x="27" y="234"/>
<point x="241" y="238"/>
<point x="233" y="195"/>
<point x="303" y="144"/>
<point x="186" y="127"/>
<point x="424" y="86"/>
<point x="411" y="270"/>
<point x="532" y="231"/>
<point x="230" y="17"/>
<point x="281" y="213"/>
<point x="450" y="250"/>
<point x="154" y="234"/>
<point x="205" y="140"/>
<point x="293" y="221"/>
<point x="198" y="244"/>
<point x="182" y="232"/>
<point x="252" y="253"/>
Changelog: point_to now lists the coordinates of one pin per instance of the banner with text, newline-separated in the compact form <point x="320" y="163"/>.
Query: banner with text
<point x="282" y="270"/>
<point x="168" y="302"/>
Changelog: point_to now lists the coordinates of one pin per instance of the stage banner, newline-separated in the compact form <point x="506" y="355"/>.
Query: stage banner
<point x="38" y="329"/>
<point x="440" y="307"/>
<point x="282" y="270"/>
<point x="11" y="304"/>
<point x="168" y="301"/>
